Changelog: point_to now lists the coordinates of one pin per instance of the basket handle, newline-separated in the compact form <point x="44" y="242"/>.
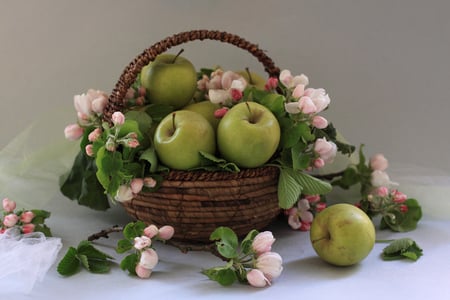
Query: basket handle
<point x="130" y="73"/>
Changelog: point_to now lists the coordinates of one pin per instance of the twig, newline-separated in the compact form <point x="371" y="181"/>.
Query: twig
<point x="105" y="233"/>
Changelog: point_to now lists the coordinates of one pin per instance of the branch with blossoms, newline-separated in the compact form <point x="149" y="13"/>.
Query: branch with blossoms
<point x="26" y="221"/>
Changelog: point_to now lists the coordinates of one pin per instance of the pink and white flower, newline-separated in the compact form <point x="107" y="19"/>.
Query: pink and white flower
<point x="149" y="258"/>
<point x="290" y="81"/>
<point x="8" y="205"/>
<point x="270" y="263"/>
<point x="300" y="215"/>
<point x="118" y="118"/>
<point x="151" y="231"/>
<point x="124" y="193"/>
<point x="73" y="132"/>
<point x="263" y="242"/>
<point x="10" y="220"/>
<point x="142" y="242"/>
<point x="256" y="278"/>
<point x="378" y="162"/>
<point x="325" y="149"/>
<point x="166" y="232"/>
<point x="142" y="272"/>
<point x="27" y="216"/>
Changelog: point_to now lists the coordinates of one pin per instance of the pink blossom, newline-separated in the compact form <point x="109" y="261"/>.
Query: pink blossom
<point x="8" y="205"/>
<point x="149" y="182"/>
<point x="229" y="77"/>
<point x="130" y="93"/>
<point x="140" y="100"/>
<point x="382" y="191"/>
<point x="151" y="231"/>
<point x="305" y="226"/>
<point x="89" y="150"/>
<point x="73" y="132"/>
<point x="142" y="242"/>
<point x="83" y="104"/>
<point x="124" y="193"/>
<point x="202" y="84"/>
<point x="399" y="197"/>
<point x="256" y="278"/>
<point x="300" y="214"/>
<point x="218" y="96"/>
<point x="98" y="104"/>
<point x="312" y="198"/>
<point x="133" y="143"/>
<point x="166" y="232"/>
<point x="28" y="228"/>
<point x="292" y="107"/>
<point x="319" y="163"/>
<point x="10" y="220"/>
<point x="236" y="94"/>
<point x="306" y="105"/>
<point x="325" y="149"/>
<point x="319" y="97"/>
<point x="136" y="185"/>
<point x="220" y="112"/>
<point x="149" y="258"/>
<point x="271" y="83"/>
<point x="263" y="242"/>
<point x="290" y="81"/>
<point x="380" y="178"/>
<point x="270" y="263"/>
<point x="215" y="82"/>
<point x="299" y="91"/>
<point x="320" y="206"/>
<point x="378" y="162"/>
<point x="319" y="122"/>
<point x="118" y="118"/>
<point x="27" y="216"/>
<point x="143" y="272"/>
<point x="404" y="208"/>
<point x="94" y="135"/>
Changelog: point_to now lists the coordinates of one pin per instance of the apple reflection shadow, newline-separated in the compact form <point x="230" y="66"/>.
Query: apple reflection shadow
<point x="313" y="268"/>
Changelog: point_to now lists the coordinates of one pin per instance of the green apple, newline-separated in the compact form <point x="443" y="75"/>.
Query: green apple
<point x="248" y="135"/>
<point x="253" y="79"/>
<point x="169" y="79"/>
<point x="206" y="109"/>
<point x="342" y="234"/>
<point x="180" y="136"/>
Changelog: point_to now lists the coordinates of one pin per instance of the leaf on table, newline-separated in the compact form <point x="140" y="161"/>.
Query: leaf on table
<point x="401" y="249"/>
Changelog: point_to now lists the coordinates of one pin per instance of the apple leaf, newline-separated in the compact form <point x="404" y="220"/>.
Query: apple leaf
<point x="227" y="241"/>
<point x="288" y="189"/>
<point x="212" y="163"/>
<point x="158" y="111"/>
<point x="311" y="185"/>
<point x="149" y="155"/>
<point x="402" y="248"/>
<point x="223" y="275"/>
<point x="404" y="221"/>
<point x="300" y="159"/>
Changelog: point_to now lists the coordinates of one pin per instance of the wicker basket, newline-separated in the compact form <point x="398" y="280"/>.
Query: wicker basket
<point x="195" y="203"/>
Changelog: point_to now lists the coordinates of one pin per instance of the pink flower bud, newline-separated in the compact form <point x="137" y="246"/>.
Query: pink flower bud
<point x="149" y="259"/>
<point x="28" y="228"/>
<point x="378" y="162"/>
<point x="10" y="220"/>
<point x="149" y="182"/>
<point x="312" y="198"/>
<point x="263" y="242"/>
<point x="270" y="263"/>
<point x="8" y="205"/>
<point x="256" y="278"/>
<point x="299" y="91"/>
<point x="133" y="143"/>
<point x="166" y="232"/>
<point x="94" y="135"/>
<point x="143" y="272"/>
<point x="142" y="91"/>
<point x="319" y="122"/>
<point x="118" y="118"/>
<point x="110" y="145"/>
<point x="326" y="150"/>
<point x="73" y="132"/>
<point x="151" y="231"/>
<point x="136" y="185"/>
<point x="89" y="150"/>
<point x="140" y="100"/>
<point x="404" y="208"/>
<point x="27" y="216"/>
<point x="130" y="93"/>
<point x="382" y="191"/>
<point x="219" y="113"/>
<point x="124" y="193"/>
<point x="236" y="95"/>
<point x="306" y="216"/>
<point x="399" y="197"/>
<point x="320" y="206"/>
<point x="98" y="104"/>
<point x="306" y="105"/>
<point x="271" y="83"/>
<point x="305" y="226"/>
<point x="142" y="242"/>
<point x="82" y="104"/>
<point x="319" y="163"/>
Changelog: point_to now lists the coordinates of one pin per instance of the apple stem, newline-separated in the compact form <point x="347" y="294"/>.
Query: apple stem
<point x="178" y="54"/>
<point x="250" y="79"/>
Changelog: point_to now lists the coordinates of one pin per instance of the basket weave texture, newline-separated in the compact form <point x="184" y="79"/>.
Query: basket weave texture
<point x="195" y="203"/>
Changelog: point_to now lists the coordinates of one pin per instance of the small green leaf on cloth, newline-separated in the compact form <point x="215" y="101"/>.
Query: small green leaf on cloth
<point x="404" y="248"/>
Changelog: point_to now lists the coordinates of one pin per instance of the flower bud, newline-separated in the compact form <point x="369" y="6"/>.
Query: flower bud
<point x="270" y="263"/>
<point x="298" y="91"/>
<point x="124" y="193"/>
<point x="73" y="132"/>
<point x="149" y="182"/>
<point x="151" y="231"/>
<point x="94" y="135"/>
<point x="28" y="228"/>
<point x="143" y="272"/>
<point x="326" y="150"/>
<point x="319" y="163"/>
<point x="10" y="220"/>
<point x="219" y="113"/>
<point x="382" y="191"/>
<point x="263" y="242"/>
<point x="306" y="105"/>
<point x="149" y="259"/>
<point x="130" y="93"/>
<point x="118" y="118"/>
<point x="27" y="217"/>
<point x="136" y="185"/>
<point x="378" y="162"/>
<point x="166" y="232"/>
<point x="256" y="278"/>
<point x="271" y="83"/>
<point x="320" y="206"/>
<point x="90" y="150"/>
<point x="8" y="205"/>
<point x="319" y="122"/>
<point x="399" y="197"/>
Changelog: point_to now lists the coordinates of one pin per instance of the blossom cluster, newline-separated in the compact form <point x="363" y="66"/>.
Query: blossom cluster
<point x="301" y="216"/>
<point x="148" y="258"/>
<point x="267" y="265"/>
<point x="21" y="219"/>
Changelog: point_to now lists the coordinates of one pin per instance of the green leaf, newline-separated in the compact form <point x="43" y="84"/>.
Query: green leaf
<point x="124" y="246"/>
<point x="99" y="266"/>
<point x="289" y="134"/>
<point x="134" y="229"/>
<point x="300" y="160"/>
<point x="402" y="248"/>
<point x="44" y="229"/>
<point x="348" y="178"/>
<point x="219" y="164"/>
<point x="69" y="264"/>
<point x="158" y="111"/>
<point x="227" y="241"/>
<point x="223" y="275"/>
<point x="404" y="221"/>
<point x="143" y="120"/>
<point x="129" y="263"/>
<point x="289" y="190"/>
<point x="70" y="183"/>
<point x="149" y="155"/>
<point x="84" y="261"/>
<point x="86" y="248"/>
<point x="274" y="102"/>
<point x="246" y="244"/>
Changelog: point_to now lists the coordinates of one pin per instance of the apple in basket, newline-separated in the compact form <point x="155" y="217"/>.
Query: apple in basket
<point x="248" y="135"/>
<point x="180" y="136"/>
<point x="170" y="79"/>
<point x="206" y="109"/>
<point x="342" y="234"/>
<point x="253" y="79"/>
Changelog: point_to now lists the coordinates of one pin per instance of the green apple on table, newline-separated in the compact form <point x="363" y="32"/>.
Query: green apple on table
<point x="206" y="109"/>
<point x="342" y="234"/>
<point x="180" y="136"/>
<point x="169" y="79"/>
<point x="253" y="79"/>
<point x="248" y="135"/>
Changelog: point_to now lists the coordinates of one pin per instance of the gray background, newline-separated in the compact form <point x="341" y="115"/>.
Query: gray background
<point x="384" y="63"/>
